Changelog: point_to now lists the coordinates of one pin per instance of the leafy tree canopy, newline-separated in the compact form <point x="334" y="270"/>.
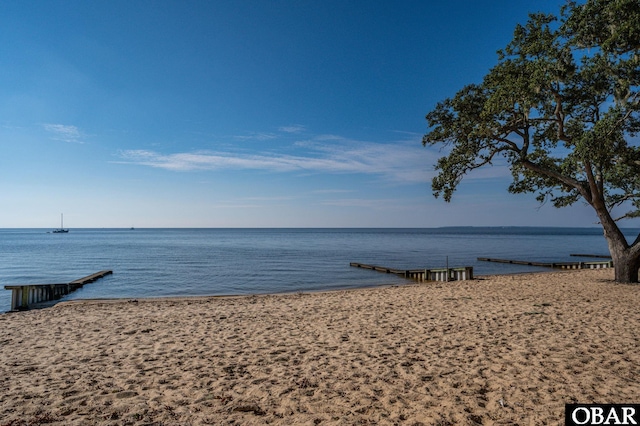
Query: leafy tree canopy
<point x="562" y="106"/>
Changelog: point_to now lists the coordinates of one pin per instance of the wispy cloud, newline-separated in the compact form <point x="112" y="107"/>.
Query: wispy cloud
<point x="400" y="161"/>
<point x="65" y="133"/>
<point x="404" y="160"/>
<point x="371" y="203"/>
<point x="256" y="136"/>
<point x="268" y="199"/>
<point x="294" y="128"/>
<point x="358" y="202"/>
<point x="332" y="191"/>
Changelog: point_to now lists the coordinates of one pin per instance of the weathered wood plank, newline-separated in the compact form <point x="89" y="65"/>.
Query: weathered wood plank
<point x="439" y="274"/>
<point x="91" y="278"/>
<point x="601" y="256"/>
<point x="557" y="265"/>
<point x="25" y="295"/>
<point x="515" y="262"/>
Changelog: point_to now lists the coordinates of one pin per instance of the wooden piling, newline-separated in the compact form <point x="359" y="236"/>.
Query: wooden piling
<point x="601" y="256"/>
<point x="557" y="265"/>
<point x="440" y="274"/>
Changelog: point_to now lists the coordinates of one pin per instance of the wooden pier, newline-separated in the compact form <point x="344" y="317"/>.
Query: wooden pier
<point x="25" y="295"/>
<point x="557" y="265"/>
<point x="440" y="274"/>
<point x="601" y="256"/>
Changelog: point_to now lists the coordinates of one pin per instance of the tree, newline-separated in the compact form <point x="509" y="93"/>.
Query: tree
<point x="562" y="107"/>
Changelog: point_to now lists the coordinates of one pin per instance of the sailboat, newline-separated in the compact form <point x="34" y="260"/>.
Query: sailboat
<point x="61" y="230"/>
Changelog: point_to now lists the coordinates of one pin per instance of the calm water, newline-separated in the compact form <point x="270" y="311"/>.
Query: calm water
<point x="181" y="262"/>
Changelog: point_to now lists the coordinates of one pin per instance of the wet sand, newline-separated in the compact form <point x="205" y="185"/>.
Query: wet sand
<point x="498" y="350"/>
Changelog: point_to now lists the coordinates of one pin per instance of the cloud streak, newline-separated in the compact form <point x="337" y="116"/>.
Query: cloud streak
<point x="65" y="133"/>
<point x="400" y="162"/>
<point x="294" y="128"/>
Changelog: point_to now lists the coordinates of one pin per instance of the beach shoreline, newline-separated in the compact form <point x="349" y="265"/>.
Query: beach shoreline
<point x="500" y="349"/>
<point x="52" y="303"/>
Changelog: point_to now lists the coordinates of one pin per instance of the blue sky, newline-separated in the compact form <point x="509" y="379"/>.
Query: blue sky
<point x="245" y="113"/>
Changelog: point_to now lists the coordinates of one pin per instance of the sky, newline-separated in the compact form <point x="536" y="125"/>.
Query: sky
<point x="234" y="113"/>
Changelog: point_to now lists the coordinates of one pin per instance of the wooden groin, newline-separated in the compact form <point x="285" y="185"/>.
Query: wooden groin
<point x="439" y="274"/>
<point x="557" y="265"/>
<point x="25" y="295"/>
<point x="601" y="256"/>
<point x="91" y="278"/>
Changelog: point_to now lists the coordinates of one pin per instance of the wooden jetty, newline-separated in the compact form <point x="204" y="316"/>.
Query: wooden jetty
<point x="25" y="295"/>
<point x="557" y="265"/>
<point x="440" y="274"/>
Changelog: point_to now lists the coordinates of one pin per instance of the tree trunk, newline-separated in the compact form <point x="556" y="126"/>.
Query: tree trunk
<point x="626" y="258"/>
<point x="625" y="266"/>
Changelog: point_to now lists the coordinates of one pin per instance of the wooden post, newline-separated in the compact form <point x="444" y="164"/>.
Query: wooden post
<point x="447" y="270"/>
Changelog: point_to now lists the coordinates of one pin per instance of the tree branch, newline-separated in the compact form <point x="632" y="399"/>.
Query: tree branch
<point x="559" y="113"/>
<point x="624" y="216"/>
<point x="559" y="177"/>
<point x="512" y="145"/>
<point x="595" y="198"/>
<point x="622" y="199"/>
<point x="487" y="160"/>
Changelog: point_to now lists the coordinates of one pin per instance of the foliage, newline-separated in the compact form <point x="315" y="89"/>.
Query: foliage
<point x="562" y="106"/>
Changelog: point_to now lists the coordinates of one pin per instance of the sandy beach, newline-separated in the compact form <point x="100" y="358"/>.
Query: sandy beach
<point x="497" y="350"/>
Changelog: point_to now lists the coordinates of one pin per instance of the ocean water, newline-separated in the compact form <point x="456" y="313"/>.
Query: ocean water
<point x="188" y="262"/>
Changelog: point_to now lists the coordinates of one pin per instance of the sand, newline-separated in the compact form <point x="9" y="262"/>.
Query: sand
<point x="498" y="350"/>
